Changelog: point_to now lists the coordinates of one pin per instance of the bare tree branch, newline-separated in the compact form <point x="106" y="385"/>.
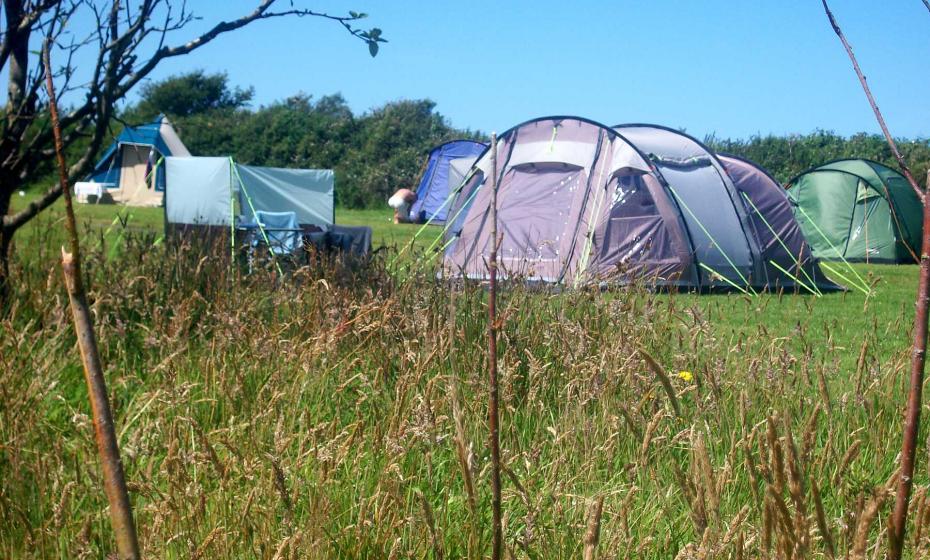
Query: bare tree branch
<point x="898" y="525"/>
<point x="122" y="31"/>
<point x="868" y="93"/>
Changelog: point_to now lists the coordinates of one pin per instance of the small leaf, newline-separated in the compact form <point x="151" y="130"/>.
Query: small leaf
<point x="373" y="48"/>
<point x="375" y="33"/>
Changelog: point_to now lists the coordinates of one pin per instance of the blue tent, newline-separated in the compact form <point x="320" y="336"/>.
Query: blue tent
<point x="444" y="173"/>
<point x="126" y="166"/>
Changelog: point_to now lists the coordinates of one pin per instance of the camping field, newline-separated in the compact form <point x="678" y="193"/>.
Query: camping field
<point x="342" y="414"/>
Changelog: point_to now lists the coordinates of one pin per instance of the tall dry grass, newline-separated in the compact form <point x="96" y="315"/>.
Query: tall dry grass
<point x="342" y="414"/>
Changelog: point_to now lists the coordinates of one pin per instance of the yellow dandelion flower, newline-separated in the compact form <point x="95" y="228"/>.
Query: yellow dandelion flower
<point x="686" y="375"/>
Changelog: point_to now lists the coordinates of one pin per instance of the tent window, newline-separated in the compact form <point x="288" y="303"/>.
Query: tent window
<point x="865" y="192"/>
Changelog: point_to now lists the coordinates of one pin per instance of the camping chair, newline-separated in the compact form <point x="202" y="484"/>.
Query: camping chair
<point x="279" y="231"/>
<point x="280" y="228"/>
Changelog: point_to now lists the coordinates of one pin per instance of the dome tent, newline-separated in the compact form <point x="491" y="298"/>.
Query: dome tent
<point x="127" y="165"/>
<point x="579" y="202"/>
<point x="857" y="210"/>
<point x="445" y="170"/>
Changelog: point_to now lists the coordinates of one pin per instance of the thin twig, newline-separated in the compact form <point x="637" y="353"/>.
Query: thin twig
<point x="493" y="413"/>
<point x="898" y="526"/>
<point x="868" y="93"/>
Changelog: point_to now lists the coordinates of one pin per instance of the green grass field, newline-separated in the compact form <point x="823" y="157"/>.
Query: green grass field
<point x="836" y="317"/>
<point x="343" y="414"/>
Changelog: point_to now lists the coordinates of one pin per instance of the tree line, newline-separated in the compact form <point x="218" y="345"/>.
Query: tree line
<point x="786" y="156"/>
<point x="381" y="150"/>
<point x="373" y="154"/>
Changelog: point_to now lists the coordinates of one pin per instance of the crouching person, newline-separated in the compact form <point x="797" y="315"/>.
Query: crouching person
<point x="401" y="201"/>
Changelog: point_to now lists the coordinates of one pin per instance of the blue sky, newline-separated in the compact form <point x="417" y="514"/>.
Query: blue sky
<point x="733" y="68"/>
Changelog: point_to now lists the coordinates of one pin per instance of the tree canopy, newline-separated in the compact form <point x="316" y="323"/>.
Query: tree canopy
<point x="190" y="94"/>
<point x="126" y="42"/>
<point x="787" y="156"/>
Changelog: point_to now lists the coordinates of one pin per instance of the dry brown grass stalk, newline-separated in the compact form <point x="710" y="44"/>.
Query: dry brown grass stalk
<point x="648" y="435"/>
<point x="664" y="380"/>
<point x="851" y="453"/>
<point x="430" y="520"/>
<point x="864" y="523"/>
<point x="593" y="533"/>
<point x="822" y="524"/>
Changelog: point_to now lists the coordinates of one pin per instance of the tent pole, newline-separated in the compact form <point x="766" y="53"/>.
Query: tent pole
<point x="797" y="260"/>
<point x="589" y="241"/>
<point x="714" y="241"/>
<point x="866" y="226"/>
<point x="724" y="278"/>
<point x="430" y="220"/>
<point x="835" y="250"/>
<point x="843" y="278"/>
<point x="795" y="278"/>
<point x="232" y="222"/>
<point x="261" y="228"/>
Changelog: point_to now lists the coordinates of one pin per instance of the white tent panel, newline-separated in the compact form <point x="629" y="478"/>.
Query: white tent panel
<point x="666" y="143"/>
<point x="625" y="158"/>
<point x="579" y="154"/>
<point x="458" y="170"/>
<point x="198" y="190"/>
<point x="172" y="140"/>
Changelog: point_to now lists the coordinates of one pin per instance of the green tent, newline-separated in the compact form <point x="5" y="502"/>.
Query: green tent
<point x="857" y="210"/>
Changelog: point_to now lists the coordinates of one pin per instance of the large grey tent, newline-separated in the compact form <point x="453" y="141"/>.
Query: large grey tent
<point x="579" y="202"/>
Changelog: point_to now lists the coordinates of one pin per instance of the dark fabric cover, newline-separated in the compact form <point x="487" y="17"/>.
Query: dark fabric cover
<point x="641" y="236"/>
<point x="780" y="238"/>
<point x="434" y="187"/>
<point x="350" y="240"/>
